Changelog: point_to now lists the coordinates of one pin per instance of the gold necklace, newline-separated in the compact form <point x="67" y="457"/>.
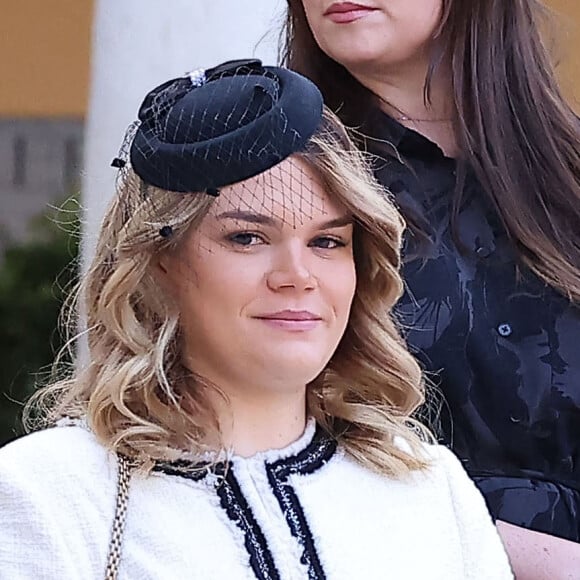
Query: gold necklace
<point x="406" y="118"/>
<point x="411" y="120"/>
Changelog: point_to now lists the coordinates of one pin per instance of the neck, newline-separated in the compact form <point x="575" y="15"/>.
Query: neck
<point x="401" y="89"/>
<point x="251" y="424"/>
<point x="401" y="94"/>
<point x="253" y="417"/>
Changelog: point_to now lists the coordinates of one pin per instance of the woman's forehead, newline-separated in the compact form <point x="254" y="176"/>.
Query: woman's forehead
<point x="290" y="190"/>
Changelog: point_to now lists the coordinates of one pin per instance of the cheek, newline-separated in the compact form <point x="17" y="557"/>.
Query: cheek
<point x="198" y="283"/>
<point x="327" y="37"/>
<point x="221" y="283"/>
<point x="417" y="21"/>
<point x="423" y="23"/>
<point x="342" y="285"/>
<point x="312" y="9"/>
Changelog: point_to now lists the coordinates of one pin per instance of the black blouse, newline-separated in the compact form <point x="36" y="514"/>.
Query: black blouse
<point x="504" y="346"/>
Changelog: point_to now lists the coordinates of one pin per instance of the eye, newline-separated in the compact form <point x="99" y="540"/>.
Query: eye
<point x="245" y="239"/>
<point x="327" y="243"/>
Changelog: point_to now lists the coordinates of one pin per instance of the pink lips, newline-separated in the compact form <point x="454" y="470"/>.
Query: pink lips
<point x="345" y="12"/>
<point x="292" y="320"/>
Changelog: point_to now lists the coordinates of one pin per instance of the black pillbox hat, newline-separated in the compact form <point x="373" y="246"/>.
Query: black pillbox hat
<point x="220" y="126"/>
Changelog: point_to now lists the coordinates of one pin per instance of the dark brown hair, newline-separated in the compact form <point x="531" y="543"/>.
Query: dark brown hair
<point x="513" y="126"/>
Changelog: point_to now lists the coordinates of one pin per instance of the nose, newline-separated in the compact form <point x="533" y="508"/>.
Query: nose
<point x="291" y="269"/>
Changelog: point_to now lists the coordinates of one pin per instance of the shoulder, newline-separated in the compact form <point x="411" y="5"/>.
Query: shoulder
<point x="438" y="457"/>
<point x="444" y="464"/>
<point x="60" y="478"/>
<point x="453" y="484"/>
<point x="443" y="468"/>
<point x="443" y="479"/>
<point x="62" y="444"/>
<point x="57" y="500"/>
<point x="442" y="471"/>
<point x="56" y="455"/>
<point x="441" y="458"/>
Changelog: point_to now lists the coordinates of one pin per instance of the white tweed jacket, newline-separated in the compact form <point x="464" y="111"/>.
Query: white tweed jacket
<point x="306" y="512"/>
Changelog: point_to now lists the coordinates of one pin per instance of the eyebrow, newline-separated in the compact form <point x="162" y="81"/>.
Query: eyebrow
<point x="258" y="218"/>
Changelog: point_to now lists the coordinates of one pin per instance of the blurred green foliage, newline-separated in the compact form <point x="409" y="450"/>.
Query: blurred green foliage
<point x="34" y="278"/>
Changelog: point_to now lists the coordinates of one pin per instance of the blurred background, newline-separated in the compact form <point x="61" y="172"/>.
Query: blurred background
<point x="73" y="73"/>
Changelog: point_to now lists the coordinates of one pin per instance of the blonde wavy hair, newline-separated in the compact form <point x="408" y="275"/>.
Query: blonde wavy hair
<point x="139" y="398"/>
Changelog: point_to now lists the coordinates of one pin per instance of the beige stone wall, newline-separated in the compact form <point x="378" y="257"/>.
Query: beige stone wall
<point x="567" y="36"/>
<point x="44" y="57"/>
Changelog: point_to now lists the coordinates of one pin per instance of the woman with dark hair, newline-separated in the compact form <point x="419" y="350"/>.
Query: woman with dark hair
<point x="459" y="103"/>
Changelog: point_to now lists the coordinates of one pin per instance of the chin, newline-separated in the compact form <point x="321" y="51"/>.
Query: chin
<point x="294" y="369"/>
<point x="358" y="49"/>
<point x="303" y="371"/>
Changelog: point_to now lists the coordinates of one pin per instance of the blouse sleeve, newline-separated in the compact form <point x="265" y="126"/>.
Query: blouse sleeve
<point x="484" y="555"/>
<point x="30" y="546"/>
<point x="49" y="522"/>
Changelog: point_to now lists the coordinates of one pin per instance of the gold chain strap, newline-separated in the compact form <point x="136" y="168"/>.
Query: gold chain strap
<point x="114" y="557"/>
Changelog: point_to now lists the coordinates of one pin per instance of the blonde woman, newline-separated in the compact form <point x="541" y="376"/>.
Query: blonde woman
<point x="246" y="411"/>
